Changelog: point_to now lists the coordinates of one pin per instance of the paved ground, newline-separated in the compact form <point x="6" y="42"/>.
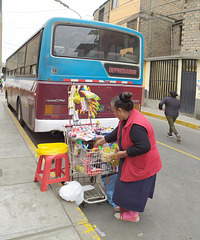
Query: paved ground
<point x="28" y="213"/>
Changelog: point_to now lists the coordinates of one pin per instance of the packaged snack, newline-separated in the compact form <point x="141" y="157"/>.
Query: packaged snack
<point x="108" y="153"/>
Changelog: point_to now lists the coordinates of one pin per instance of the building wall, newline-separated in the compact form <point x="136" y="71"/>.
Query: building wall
<point x="176" y="38"/>
<point x="106" y="7"/>
<point x="156" y="23"/>
<point x="125" y="10"/>
<point x="154" y="20"/>
<point x="157" y="36"/>
<point x="191" y="29"/>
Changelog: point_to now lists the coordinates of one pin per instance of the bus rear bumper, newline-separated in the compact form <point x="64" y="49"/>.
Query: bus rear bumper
<point x="58" y="125"/>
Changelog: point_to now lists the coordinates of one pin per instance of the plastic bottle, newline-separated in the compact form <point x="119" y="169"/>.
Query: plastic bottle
<point x="99" y="231"/>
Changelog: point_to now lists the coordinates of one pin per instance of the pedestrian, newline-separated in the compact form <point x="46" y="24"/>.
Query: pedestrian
<point x="139" y="158"/>
<point x="3" y="85"/>
<point x="1" y="79"/>
<point x="172" y="106"/>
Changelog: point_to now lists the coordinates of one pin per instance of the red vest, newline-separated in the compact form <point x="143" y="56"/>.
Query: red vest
<point x="141" y="166"/>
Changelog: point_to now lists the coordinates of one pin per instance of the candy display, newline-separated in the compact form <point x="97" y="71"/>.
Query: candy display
<point x="108" y="153"/>
<point x="71" y="104"/>
<point x="92" y="100"/>
<point x="87" y="133"/>
<point x="89" y="103"/>
<point x="86" y="160"/>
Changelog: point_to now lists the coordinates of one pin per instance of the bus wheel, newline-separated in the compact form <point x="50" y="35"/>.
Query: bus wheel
<point x="19" y="113"/>
<point x="8" y="104"/>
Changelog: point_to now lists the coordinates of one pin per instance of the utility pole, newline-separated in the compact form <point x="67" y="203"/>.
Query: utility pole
<point x="0" y="35"/>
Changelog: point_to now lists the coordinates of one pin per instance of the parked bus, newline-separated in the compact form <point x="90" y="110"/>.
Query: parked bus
<point x="65" y="52"/>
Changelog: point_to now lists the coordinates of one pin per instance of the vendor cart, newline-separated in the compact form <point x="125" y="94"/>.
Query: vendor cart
<point x="86" y="165"/>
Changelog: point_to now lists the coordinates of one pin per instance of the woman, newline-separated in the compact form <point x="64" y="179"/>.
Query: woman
<point x="139" y="159"/>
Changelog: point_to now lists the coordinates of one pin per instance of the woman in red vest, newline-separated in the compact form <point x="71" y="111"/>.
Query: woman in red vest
<point x="139" y="158"/>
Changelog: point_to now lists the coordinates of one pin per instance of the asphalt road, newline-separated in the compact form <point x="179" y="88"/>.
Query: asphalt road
<point x="174" y="213"/>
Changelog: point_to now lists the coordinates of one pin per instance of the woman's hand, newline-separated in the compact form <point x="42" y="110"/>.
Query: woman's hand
<point x="99" y="142"/>
<point x="121" y="154"/>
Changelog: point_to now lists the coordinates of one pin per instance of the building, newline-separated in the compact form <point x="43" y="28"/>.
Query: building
<point x="171" y="31"/>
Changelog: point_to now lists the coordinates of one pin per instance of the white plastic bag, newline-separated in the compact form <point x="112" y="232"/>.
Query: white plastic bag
<point x="74" y="191"/>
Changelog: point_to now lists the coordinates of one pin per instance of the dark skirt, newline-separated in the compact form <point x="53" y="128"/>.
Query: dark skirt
<point x="133" y="195"/>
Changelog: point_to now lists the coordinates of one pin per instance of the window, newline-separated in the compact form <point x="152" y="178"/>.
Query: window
<point x="115" y="3"/>
<point x="32" y="55"/>
<point x="180" y="34"/>
<point x="95" y="43"/>
<point x="101" y="15"/>
<point x="21" y="56"/>
<point x="25" y="60"/>
<point x="12" y="62"/>
<point x="132" y="24"/>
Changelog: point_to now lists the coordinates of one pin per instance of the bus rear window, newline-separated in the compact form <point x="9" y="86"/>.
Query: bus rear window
<point x="94" y="43"/>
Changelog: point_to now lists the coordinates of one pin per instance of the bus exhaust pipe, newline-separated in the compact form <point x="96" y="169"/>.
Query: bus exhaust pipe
<point x="55" y="133"/>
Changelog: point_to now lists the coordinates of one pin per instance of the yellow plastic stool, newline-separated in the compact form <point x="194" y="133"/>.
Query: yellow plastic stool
<point x="50" y="152"/>
<point x="51" y="149"/>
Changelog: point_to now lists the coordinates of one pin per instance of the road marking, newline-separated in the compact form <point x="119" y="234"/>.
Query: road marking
<point x="190" y="155"/>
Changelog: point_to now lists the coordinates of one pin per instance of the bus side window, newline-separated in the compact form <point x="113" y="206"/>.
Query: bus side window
<point x="32" y="55"/>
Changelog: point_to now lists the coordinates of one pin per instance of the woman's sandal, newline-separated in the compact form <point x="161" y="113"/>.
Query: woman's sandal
<point x="120" y="209"/>
<point x="127" y="216"/>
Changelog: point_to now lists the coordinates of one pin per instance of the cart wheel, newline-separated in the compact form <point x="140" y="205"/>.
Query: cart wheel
<point x="83" y="204"/>
<point x="93" y="180"/>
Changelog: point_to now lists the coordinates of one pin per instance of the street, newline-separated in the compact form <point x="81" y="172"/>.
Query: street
<point x="174" y="212"/>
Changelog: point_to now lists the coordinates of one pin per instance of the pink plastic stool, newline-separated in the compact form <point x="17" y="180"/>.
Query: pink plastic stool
<point x="44" y="175"/>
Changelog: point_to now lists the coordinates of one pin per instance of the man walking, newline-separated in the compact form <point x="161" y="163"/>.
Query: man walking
<point x="172" y="106"/>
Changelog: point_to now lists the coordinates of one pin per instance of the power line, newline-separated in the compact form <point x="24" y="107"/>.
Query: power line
<point x="35" y="11"/>
<point x="157" y="6"/>
<point x="8" y="48"/>
<point x="9" y="43"/>
<point x="152" y="18"/>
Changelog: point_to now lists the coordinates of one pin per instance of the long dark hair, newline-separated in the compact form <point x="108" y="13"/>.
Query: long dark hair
<point x="123" y="101"/>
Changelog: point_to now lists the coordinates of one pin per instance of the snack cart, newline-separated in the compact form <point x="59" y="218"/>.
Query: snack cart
<point x="86" y="165"/>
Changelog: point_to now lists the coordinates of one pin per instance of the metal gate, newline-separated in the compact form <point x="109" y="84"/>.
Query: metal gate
<point x="188" y="86"/>
<point x="163" y="78"/>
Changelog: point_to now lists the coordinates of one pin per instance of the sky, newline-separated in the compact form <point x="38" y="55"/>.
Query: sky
<point x="22" y="18"/>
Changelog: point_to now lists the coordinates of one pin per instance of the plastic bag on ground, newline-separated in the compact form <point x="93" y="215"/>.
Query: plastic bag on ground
<point x="74" y="191"/>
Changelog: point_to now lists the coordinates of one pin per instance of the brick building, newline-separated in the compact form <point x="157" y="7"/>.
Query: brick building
<point x="171" y="31"/>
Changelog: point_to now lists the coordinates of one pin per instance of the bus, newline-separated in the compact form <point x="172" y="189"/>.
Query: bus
<point x="65" y="52"/>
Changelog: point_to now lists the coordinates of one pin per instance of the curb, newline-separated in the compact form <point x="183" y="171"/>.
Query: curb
<point x="180" y="122"/>
<point x="77" y="217"/>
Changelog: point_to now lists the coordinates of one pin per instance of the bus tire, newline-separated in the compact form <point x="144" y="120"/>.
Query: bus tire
<point x="19" y="113"/>
<point x="8" y="104"/>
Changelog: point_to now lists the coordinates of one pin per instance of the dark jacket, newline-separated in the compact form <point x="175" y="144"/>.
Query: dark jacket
<point x="172" y="106"/>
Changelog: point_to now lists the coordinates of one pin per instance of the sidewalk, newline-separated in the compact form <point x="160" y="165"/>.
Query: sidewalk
<point x="26" y="212"/>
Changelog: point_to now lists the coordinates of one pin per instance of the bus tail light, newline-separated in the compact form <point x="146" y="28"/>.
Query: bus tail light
<point x="56" y="109"/>
<point x="48" y="109"/>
